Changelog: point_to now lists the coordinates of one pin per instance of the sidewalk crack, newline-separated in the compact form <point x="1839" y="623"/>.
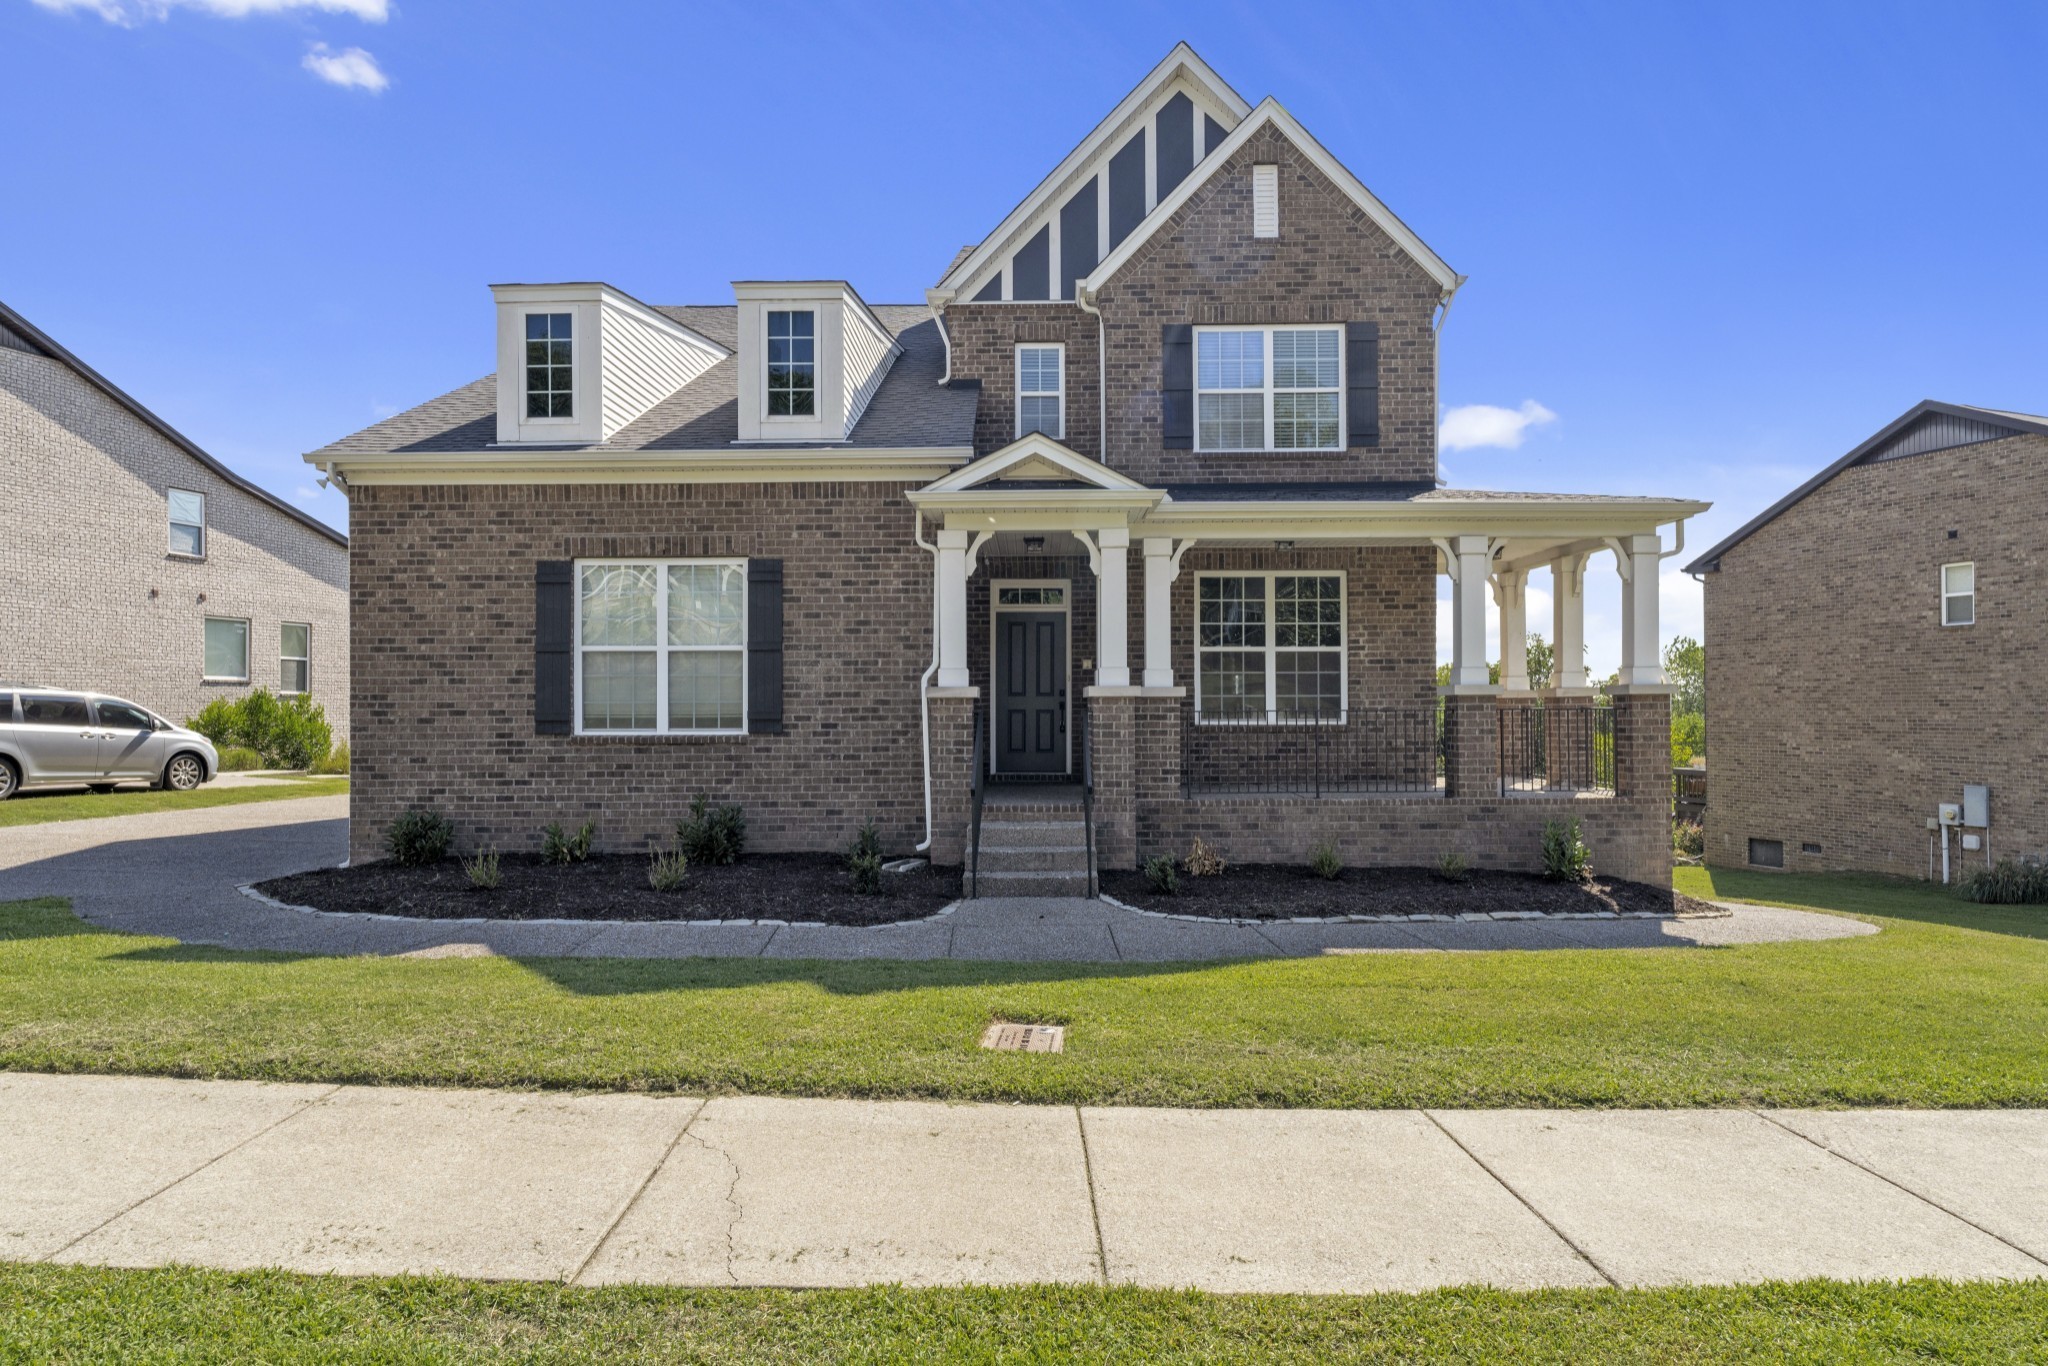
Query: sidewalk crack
<point x="732" y="1201"/>
<point x="1094" y="1209"/>
<point x="633" y="1200"/>
<point x="1562" y="1236"/>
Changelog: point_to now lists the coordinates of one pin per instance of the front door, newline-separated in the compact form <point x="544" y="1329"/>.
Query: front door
<point x="1031" y="692"/>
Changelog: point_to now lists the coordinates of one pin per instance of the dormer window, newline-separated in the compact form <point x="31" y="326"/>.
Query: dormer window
<point x="792" y="363"/>
<point x="550" y="370"/>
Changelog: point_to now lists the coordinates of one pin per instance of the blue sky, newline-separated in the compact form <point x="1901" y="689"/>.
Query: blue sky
<point x="1710" y="247"/>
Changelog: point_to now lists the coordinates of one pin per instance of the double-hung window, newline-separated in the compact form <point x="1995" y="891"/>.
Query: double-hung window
<point x="294" y="657"/>
<point x="661" y="646"/>
<point x="792" y="363"/>
<point x="1269" y="389"/>
<point x="1041" y="398"/>
<point x="1269" y="647"/>
<point x="227" y="650"/>
<point x="1959" y="594"/>
<point x="550" y="365"/>
<point x="188" y="522"/>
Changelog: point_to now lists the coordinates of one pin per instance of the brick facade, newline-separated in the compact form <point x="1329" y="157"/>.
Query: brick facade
<point x="1841" y="710"/>
<point x="90" y="596"/>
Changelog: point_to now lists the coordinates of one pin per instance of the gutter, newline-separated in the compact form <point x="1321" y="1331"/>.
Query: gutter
<point x="936" y="300"/>
<point x="924" y="684"/>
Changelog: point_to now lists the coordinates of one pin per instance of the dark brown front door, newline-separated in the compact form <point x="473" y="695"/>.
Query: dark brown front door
<point x="1031" y="692"/>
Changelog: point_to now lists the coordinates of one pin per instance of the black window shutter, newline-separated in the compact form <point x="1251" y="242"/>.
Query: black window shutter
<point x="1362" y="381"/>
<point x="554" y="616"/>
<point x="764" y="647"/>
<point x="1177" y="386"/>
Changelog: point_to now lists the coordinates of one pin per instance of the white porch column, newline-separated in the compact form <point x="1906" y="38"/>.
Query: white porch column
<point x="1642" y="663"/>
<point x="1568" y="622"/>
<point x="949" y="572"/>
<point x="1158" y="612"/>
<point x="1510" y="591"/>
<point x="1470" y="576"/>
<point x="1113" y="609"/>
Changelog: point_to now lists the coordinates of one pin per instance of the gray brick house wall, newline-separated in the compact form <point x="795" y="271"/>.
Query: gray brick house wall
<point x="90" y="596"/>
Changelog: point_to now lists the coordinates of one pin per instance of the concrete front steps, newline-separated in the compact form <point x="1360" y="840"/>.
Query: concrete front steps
<point x="1033" y="850"/>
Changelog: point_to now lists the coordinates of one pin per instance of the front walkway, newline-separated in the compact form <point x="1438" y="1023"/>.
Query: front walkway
<point x="595" y="1189"/>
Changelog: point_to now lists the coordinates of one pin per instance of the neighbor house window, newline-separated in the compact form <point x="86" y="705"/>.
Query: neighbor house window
<point x="1958" y="594"/>
<point x="792" y="363"/>
<point x="295" y="657"/>
<point x="550" y="366"/>
<point x="227" y="650"/>
<point x="661" y="646"/>
<point x="188" y="522"/>
<point x="1269" y="647"/>
<point x="1041" y="404"/>
<point x="1268" y="389"/>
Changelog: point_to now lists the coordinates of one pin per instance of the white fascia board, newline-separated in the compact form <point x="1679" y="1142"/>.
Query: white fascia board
<point x="596" y="291"/>
<point x="716" y="466"/>
<point x="1325" y="520"/>
<point x="1270" y="111"/>
<point x="1181" y="62"/>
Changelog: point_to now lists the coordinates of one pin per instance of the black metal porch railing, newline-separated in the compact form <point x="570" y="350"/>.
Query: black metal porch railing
<point x="1365" y="750"/>
<point x="1556" y="749"/>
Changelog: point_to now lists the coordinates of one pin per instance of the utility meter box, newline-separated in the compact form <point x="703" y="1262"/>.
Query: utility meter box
<point x="1977" y="805"/>
<point x="1950" y="813"/>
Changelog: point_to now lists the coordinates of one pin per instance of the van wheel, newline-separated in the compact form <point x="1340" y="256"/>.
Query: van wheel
<point x="10" y="779"/>
<point x="184" y="773"/>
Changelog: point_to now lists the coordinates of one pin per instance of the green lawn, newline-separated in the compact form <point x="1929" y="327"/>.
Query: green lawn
<point x="31" y="808"/>
<point x="1948" y="1006"/>
<point x="84" y="1315"/>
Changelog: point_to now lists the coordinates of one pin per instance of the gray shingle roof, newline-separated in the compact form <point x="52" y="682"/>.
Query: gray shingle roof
<point x="911" y="408"/>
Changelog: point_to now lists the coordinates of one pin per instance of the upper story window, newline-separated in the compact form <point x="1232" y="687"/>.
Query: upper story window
<point x="1269" y="647"/>
<point x="1243" y="403"/>
<point x="792" y="362"/>
<point x="1958" y="595"/>
<point x="661" y="646"/>
<point x="294" y="657"/>
<point x="550" y="366"/>
<point x="188" y="522"/>
<point x="1041" y="397"/>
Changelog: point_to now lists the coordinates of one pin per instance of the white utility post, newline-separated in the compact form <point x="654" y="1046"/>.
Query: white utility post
<point x="1158" y="612"/>
<point x="1642" y="664"/>
<point x="949" y="569"/>
<point x="1511" y="593"/>
<point x="1568" y="623"/>
<point x="1113" y="609"/>
<point x="1471" y="573"/>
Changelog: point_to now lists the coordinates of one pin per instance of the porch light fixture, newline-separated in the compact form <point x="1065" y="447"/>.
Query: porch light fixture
<point x="1035" y="544"/>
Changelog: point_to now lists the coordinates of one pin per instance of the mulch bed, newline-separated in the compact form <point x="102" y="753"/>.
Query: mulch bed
<point x="614" y="887"/>
<point x="1266" y="891"/>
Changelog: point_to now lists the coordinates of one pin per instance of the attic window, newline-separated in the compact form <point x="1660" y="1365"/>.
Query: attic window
<point x="792" y="363"/>
<point x="1265" y="201"/>
<point x="550" y="373"/>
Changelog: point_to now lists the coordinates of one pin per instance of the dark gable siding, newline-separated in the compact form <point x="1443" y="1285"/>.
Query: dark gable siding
<point x="1030" y="268"/>
<point x="1176" y="142"/>
<point x="991" y="291"/>
<point x="1126" y="189"/>
<point x="1078" y="252"/>
<point x="1213" y="134"/>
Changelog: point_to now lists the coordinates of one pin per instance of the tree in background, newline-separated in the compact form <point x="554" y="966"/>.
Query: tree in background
<point x="1685" y="669"/>
<point x="1542" y="659"/>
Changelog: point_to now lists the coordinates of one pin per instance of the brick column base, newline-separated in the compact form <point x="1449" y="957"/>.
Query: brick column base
<point x="952" y="714"/>
<point x="1642" y="746"/>
<point x="1112" y="732"/>
<point x="1472" y="746"/>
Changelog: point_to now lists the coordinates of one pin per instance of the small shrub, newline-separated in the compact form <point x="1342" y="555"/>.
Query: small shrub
<point x="1566" y="857"/>
<point x="239" y="759"/>
<point x="1323" y="861"/>
<point x="712" y="835"/>
<point x="1162" y="874"/>
<point x="667" y="869"/>
<point x="864" y="861"/>
<point x="1202" y="861"/>
<point x="483" y="869"/>
<point x="1688" y="839"/>
<point x="2007" y="883"/>
<point x="289" y="732"/>
<point x="1453" y="866"/>
<point x="556" y="847"/>
<point x="335" y="762"/>
<point x="419" y="836"/>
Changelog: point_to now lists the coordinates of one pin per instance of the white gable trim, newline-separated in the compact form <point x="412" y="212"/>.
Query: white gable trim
<point x="1036" y="456"/>
<point x="1271" y="113"/>
<point x="1182" y="64"/>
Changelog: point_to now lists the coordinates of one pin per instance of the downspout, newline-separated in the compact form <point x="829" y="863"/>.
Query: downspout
<point x="1436" y="348"/>
<point x="936" y="300"/>
<point x="1081" y="297"/>
<point x="924" y="684"/>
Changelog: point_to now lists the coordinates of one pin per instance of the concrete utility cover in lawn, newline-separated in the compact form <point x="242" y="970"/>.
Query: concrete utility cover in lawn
<point x="1024" y="1038"/>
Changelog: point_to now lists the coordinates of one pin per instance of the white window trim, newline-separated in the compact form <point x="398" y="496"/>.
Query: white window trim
<point x="1017" y="379"/>
<point x="306" y="659"/>
<point x="248" y="632"/>
<point x="170" y="522"/>
<point x="996" y="606"/>
<point x="1343" y="397"/>
<point x="662" y="649"/>
<point x="1272" y="650"/>
<point x="1948" y="597"/>
<point x="813" y="417"/>
<point x="575" y="368"/>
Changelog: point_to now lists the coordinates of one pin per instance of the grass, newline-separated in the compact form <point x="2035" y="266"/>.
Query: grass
<point x="83" y="1315"/>
<point x="1948" y="1006"/>
<point x="30" y="808"/>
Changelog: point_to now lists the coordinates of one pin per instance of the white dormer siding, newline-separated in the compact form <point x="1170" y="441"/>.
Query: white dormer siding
<point x="624" y="359"/>
<point x="849" y="352"/>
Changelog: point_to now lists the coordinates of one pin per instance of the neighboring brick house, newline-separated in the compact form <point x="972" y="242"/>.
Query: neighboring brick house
<point x="1874" y="640"/>
<point x="1145" y="492"/>
<point x="134" y="563"/>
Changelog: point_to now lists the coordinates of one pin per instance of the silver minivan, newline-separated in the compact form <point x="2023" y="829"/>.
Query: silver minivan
<point x="56" y="737"/>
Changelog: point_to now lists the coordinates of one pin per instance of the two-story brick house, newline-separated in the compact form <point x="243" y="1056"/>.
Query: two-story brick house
<point x="1145" y="493"/>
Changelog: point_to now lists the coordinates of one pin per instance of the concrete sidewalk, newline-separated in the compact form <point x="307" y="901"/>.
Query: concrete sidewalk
<point x="749" y="1191"/>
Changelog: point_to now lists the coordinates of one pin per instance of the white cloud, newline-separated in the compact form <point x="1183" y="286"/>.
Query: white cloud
<point x="351" y="68"/>
<point x="128" y="13"/>
<point x="1484" y="424"/>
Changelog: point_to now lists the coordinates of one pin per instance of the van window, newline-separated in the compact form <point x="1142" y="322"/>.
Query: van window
<point x="6" y="708"/>
<point x="121" y="716"/>
<point x="55" y="711"/>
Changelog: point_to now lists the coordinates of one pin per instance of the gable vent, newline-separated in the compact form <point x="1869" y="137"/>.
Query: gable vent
<point x="1265" y="201"/>
<point x="1937" y="432"/>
